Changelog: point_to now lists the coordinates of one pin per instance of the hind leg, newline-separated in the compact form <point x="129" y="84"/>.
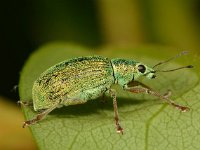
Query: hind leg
<point x="39" y="116"/>
<point x="25" y="103"/>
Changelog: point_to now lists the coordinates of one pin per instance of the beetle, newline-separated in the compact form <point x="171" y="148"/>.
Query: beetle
<point x="78" y="80"/>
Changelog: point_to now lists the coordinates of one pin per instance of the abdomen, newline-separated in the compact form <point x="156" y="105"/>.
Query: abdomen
<point x="73" y="81"/>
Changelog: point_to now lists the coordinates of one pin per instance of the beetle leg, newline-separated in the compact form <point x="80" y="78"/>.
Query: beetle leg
<point x="39" y="116"/>
<point x="168" y="94"/>
<point x="28" y="104"/>
<point x="103" y="98"/>
<point x="141" y="88"/>
<point x="25" y="103"/>
<point x="116" y="115"/>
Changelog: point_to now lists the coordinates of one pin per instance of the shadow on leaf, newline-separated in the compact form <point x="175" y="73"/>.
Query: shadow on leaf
<point x="94" y="106"/>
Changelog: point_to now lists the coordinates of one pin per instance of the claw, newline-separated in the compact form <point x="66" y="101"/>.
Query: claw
<point x="182" y="108"/>
<point x="25" y="124"/>
<point x="119" y="129"/>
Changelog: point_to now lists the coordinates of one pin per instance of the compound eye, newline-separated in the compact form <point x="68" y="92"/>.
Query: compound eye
<point x="141" y="68"/>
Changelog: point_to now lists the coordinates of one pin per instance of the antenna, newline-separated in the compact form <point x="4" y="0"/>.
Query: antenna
<point x="189" y="66"/>
<point x="172" y="58"/>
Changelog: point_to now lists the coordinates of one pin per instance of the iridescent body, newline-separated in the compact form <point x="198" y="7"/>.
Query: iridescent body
<point x="81" y="79"/>
<point x="78" y="80"/>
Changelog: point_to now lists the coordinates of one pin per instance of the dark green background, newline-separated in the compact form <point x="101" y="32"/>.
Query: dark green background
<point x="26" y="25"/>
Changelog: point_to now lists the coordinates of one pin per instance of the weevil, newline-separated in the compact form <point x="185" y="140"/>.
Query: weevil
<point x="78" y="80"/>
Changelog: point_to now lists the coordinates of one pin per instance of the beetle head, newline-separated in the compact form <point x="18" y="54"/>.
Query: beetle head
<point x="144" y="70"/>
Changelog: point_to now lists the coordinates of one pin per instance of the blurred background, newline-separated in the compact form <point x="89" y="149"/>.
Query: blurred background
<point x="26" y="25"/>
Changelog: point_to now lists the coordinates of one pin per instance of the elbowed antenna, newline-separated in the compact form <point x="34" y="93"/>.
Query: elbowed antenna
<point x="172" y="58"/>
<point x="189" y="66"/>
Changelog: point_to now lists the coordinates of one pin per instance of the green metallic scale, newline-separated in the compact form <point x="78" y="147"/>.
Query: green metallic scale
<point x="75" y="81"/>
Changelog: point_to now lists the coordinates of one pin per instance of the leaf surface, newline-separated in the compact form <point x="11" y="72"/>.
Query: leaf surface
<point x="148" y="122"/>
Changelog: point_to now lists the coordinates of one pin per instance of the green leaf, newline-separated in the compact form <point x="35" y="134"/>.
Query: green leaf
<point x="148" y="122"/>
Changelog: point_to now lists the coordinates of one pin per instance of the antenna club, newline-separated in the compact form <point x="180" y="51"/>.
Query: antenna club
<point x="190" y="66"/>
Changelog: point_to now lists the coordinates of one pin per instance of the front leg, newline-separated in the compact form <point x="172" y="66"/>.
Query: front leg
<point x="137" y="87"/>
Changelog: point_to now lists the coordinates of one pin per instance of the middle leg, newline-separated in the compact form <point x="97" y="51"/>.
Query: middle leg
<point x="113" y="95"/>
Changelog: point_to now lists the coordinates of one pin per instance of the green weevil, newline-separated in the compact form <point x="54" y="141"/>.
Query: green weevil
<point x="75" y="81"/>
